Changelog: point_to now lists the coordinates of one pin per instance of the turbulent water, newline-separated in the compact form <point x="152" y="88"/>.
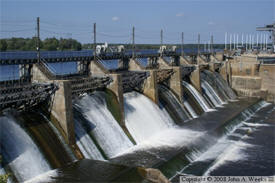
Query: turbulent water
<point x="144" y="118"/>
<point x="172" y="105"/>
<point x="190" y="109"/>
<point x="19" y="151"/>
<point x="219" y="84"/>
<point x="197" y="96"/>
<point x="211" y="94"/>
<point x="232" y="149"/>
<point x="102" y="125"/>
<point x="85" y="143"/>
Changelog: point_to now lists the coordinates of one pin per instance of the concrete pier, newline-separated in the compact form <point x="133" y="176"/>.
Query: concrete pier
<point x="60" y="104"/>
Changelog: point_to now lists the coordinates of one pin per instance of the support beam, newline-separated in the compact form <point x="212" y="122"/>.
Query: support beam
<point x="175" y="83"/>
<point x="196" y="79"/>
<point x="150" y="86"/>
<point x="61" y="105"/>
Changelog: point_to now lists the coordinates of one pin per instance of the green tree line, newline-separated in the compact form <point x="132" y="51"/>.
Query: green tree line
<point x="54" y="44"/>
<point x="29" y="44"/>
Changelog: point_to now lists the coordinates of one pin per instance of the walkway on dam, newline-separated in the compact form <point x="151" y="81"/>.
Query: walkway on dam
<point x="29" y="57"/>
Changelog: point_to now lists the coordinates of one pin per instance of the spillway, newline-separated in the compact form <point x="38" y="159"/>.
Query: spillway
<point x="190" y="109"/>
<point x="219" y="84"/>
<point x="85" y="143"/>
<point x="101" y="125"/>
<point x="144" y="118"/>
<point x="205" y="106"/>
<point x="210" y="93"/>
<point x="18" y="150"/>
<point x="211" y="153"/>
<point x="172" y="105"/>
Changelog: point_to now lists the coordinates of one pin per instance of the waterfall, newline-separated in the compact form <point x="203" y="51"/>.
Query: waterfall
<point x="198" y="97"/>
<point x="190" y="109"/>
<point x="102" y="125"/>
<point x="85" y="143"/>
<point x="219" y="84"/>
<point x="210" y="152"/>
<point x="143" y="118"/>
<point x="211" y="94"/>
<point x="172" y="105"/>
<point x="20" y="152"/>
<point x="223" y="83"/>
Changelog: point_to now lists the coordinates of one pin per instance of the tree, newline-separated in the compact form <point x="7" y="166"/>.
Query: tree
<point x="51" y="44"/>
<point x="3" y="45"/>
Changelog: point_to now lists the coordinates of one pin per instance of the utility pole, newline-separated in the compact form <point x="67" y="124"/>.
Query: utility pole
<point x="225" y="41"/>
<point x="182" y="43"/>
<point x="134" y="46"/>
<point x="230" y="42"/>
<point x="94" y="41"/>
<point x="237" y="41"/>
<point x="257" y="41"/>
<point x="246" y="42"/>
<point x="38" y="38"/>
<point x="212" y="42"/>
<point x="242" y="40"/>
<point x="234" y="41"/>
<point x="261" y="42"/>
<point x="199" y="40"/>
<point x="250" y="38"/>
<point x="161" y="37"/>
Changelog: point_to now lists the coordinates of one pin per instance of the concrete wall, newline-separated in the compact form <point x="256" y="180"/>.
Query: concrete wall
<point x="195" y="78"/>
<point x="184" y="61"/>
<point x="175" y="82"/>
<point x="163" y="64"/>
<point x="200" y="60"/>
<point x="150" y="86"/>
<point x="135" y="66"/>
<point x="117" y="88"/>
<point x="267" y="73"/>
<point x="244" y="66"/>
<point x="249" y="78"/>
<point x="61" y="105"/>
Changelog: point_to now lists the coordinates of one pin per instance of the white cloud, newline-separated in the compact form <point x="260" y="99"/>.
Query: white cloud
<point x="211" y="23"/>
<point x="115" y="18"/>
<point x="179" y="14"/>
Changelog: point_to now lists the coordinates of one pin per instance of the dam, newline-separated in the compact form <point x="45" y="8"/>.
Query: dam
<point x="128" y="115"/>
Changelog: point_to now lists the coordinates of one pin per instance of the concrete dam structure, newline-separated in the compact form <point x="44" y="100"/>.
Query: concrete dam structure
<point x="143" y="117"/>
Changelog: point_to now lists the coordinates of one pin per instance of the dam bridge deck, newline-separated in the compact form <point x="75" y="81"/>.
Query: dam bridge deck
<point x="30" y="57"/>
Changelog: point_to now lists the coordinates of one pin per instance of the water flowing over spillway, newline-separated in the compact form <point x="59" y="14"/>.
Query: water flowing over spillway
<point x="211" y="94"/>
<point x="20" y="152"/>
<point x="197" y="96"/>
<point x="85" y="143"/>
<point x="219" y="84"/>
<point x="102" y="125"/>
<point x="190" y="109"/>
<point x="143" y="118"/>
<point x="172" y="105"/>
<point x="231" y="148"/>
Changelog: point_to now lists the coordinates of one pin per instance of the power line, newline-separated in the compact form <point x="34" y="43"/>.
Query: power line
<point x="109" y="35"/>
<point x="22" y="30"/>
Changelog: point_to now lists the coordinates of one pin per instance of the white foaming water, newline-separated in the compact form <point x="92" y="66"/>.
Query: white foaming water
<point x="19" y="150"/>
<point x="107" y="132"/>
<point x="232" y="153"/>
<point x="198" y="97"/>
<point x="45" y="177"/>
<point x="172" y="138"/>
<point x="211" y="93"/>
<point x="85" y="143"/>
<point x="255" y="124"/>
<point x="190" y="109"/>
<point x="143" y="118"/>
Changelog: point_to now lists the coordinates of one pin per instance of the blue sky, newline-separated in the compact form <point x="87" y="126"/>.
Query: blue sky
<point x="115" y="18"/>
